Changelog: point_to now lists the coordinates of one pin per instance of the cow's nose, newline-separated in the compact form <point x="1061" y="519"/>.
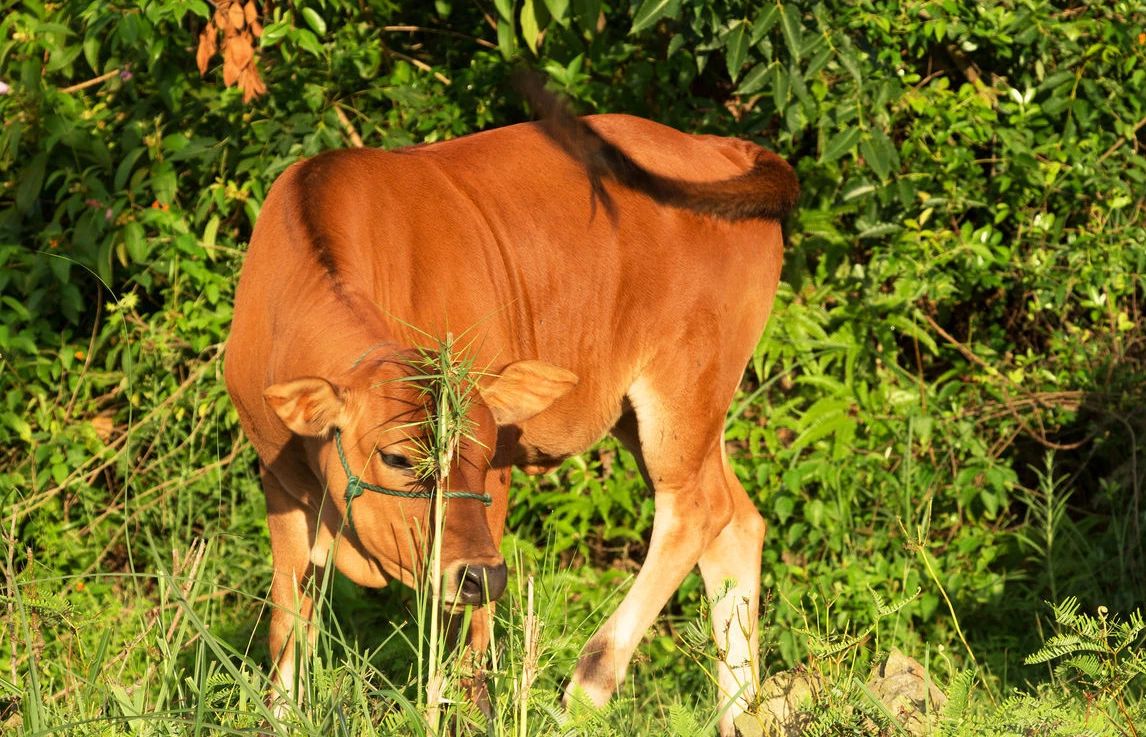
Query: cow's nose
<point x="480" y="584"/>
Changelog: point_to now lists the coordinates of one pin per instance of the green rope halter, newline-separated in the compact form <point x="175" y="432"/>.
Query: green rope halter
<point x="356" y="487"/>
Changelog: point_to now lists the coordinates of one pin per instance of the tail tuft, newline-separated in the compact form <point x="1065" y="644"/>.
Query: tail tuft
<point x="767" y="191"/>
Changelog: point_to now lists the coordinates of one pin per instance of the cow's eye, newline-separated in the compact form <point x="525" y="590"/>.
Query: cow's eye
<point x="398" y="461"/>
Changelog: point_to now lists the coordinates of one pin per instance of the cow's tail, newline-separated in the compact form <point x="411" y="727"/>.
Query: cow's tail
<point x="769" y="190"/>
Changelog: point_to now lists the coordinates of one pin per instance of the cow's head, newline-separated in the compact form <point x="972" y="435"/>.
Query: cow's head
<point x="367" y="432"/>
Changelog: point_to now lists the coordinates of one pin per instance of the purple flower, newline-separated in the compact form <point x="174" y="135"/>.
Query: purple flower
<point x="125" y="73"/>
<point x="4" y="88"/>
<point x="93" y="202"/>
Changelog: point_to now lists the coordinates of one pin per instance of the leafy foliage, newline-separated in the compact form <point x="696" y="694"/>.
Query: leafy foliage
<point x="962" y="292"/>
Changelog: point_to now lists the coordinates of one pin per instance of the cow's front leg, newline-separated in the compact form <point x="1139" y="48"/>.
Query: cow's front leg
<point x="691" y="509"/>
<point x="292" y="608"/>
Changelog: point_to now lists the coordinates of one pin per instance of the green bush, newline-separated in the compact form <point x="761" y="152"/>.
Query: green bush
<point x="962" y="291"/>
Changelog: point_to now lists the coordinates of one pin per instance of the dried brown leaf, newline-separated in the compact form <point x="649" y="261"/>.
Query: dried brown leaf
<point x="257" y="29"/>
<point x="250" y="12"/>
<point x="235" y="15"/>
<point x="251" y="83"/>
<point x="104" y="427"/>
<point x="230" y="68"/>
<point x="241" y="50"/>
<point x="207" y="48"/>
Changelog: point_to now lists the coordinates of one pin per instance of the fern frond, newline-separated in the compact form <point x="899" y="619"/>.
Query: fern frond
<point x="1088" y="664"/>
<point x="682" y="722"/>
<point x="218" y="688"/>
<point x="829" y="720"/>
<point x="876" y="599"/>
<point x="823" y="649"/>
<point x="954" y="712"/>
<point x="1063" y="645"/>
<point x="1066" y="611"/>
<point x="1135" y="663"/>
<point x="695" y="636"/>
<point x="883" y="609"/>
<point x="1130" y="631"/>
<point x="52" y="609"/>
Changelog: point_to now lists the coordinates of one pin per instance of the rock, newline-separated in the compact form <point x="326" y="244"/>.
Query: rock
<point x="905" y="688"/>
<point x="781" y="697"/>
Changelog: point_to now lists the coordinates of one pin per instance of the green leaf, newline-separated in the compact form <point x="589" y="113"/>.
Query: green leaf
<point x="307" y="41"/>
<point x="736" y="48"/>
<point x="652" y="11"/>
<point x="314" y="20"/>
<point x="879" y="153"/>
<point x="273" y="33"/>
<point x="800" y="89"/>
<point x="135" y="242"/>
<point x="587" y="13"/>
<point x="818" y="62"/>
<point x="857" y="189"/>
<point x="31" y="180"/>
<point x="209" y="233"/>
<point x="62" y="58"/>
<point x="840" y="144"/>
<point x="504" y="9"/>
<point x="780" y="88"/>
<point x="91" y="51"/>
<point x="559" y="10"/>
<point x="764" y="23"/>
<point x="825" y="417"/>
<point x="123" y="171"/>
<point x="1056" y="80"/>
<point x="814" y="512"/>
<point x="163" y="182"/>
<point x="22" y="428"/>
<point x="879" y="230"/>
<point x="909" y="327"/>
<point x="783" y="507"/>
<point x="529" y="25"/>
<point x="506" y="42"/>
<point x="793" y="30"/>
<point x="755" y="80"/>
<point x="847" y="57"/>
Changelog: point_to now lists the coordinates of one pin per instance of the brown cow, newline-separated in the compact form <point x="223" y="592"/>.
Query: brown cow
<point x="613" y="274"/>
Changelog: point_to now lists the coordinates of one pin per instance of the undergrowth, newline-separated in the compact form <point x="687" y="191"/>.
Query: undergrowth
<point x="962" y="295"/>
<point x="173" y="663"/>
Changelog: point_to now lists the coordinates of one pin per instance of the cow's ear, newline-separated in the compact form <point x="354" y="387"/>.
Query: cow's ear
<point x="310" y="407"/>
<point x="525" y="389"/>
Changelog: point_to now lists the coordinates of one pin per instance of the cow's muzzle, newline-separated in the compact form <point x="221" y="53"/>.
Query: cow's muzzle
<point x="479" y="584"/>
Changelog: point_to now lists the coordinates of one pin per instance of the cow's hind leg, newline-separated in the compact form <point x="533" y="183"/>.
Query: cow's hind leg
<point x="680" y="448"/>
<point x="729" y="562"/>
<point x="730" y="567"/>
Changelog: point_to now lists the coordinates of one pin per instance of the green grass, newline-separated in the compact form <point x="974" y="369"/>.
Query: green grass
<point x="173" y="644"/>
<point x="178" y="653"/>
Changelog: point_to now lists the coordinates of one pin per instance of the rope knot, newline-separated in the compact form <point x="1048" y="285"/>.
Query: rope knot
<point x="353" y="491"/>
